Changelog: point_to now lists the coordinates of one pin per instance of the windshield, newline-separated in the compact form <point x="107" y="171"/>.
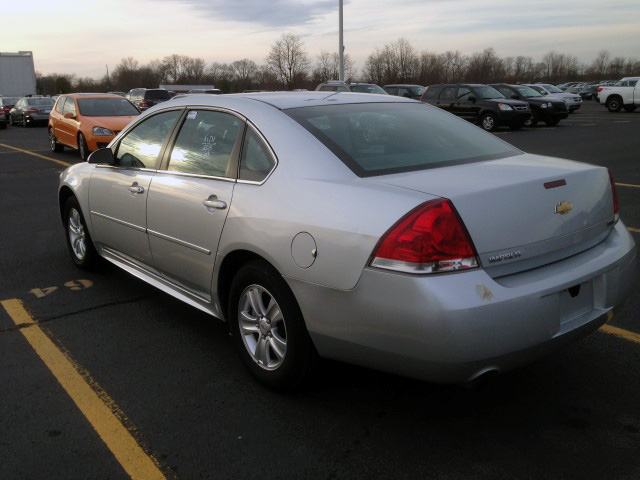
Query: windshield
<point x="157" y="95"/>
<point x="106" y="107"/>
<point x="527" y="92"/>
<point x="9" y="100"/>
<point x="487" y="92"/>
<point x="40" y="102"/>
<point x="552" y="89"/>
<point x="384" y="138"/>
<point x="367" y="88"/>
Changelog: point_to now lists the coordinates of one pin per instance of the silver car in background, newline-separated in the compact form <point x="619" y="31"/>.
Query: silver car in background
<point x="374" y="230"/>
<point x="573" y="100"/>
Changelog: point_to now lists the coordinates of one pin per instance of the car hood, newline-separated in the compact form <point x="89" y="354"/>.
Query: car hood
<point x="507" y="101"/>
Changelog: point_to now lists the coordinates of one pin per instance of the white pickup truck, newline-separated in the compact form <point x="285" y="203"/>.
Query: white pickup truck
<point x="624" y="94"/>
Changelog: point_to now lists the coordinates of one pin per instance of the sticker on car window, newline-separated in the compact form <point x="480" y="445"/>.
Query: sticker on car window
<point x="191" y="115"/>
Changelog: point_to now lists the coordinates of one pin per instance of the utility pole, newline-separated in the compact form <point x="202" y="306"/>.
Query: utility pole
<point x="341" y="46"/>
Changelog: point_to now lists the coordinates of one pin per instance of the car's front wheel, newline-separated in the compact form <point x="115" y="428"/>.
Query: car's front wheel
<point x="489" y="122"/>
<point x="268" y="328"/>
<point x="614" y="104"/>
<point x="532" y="121"/>
<point x="552" y="122"/>
<point x="79" y="242"/>
<point x="83" y="148"/>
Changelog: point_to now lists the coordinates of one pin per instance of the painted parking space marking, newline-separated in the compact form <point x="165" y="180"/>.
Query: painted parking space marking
<point x="631" y="185"/>
<point x="13" y="152"/>
<point x="621" y="333"/>
<point x="634" y="230"/>
<point x="33" y="154"/>
<point x="94" y="407"/>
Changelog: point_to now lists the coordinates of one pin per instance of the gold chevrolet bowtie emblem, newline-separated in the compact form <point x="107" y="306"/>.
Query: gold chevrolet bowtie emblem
<point x="563" y="207"/>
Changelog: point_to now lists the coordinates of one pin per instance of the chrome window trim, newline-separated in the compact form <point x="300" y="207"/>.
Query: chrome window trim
<point x="257" y="131"/>
<point x="118" y="167"/>
<point x="121" y="222"/>
<point x="192" y="246"/>
<point x="195" y="175"/>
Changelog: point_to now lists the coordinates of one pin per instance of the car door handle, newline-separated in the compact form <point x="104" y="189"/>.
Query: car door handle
<point x="213" y="202"/>
<point x="135" y="188"/>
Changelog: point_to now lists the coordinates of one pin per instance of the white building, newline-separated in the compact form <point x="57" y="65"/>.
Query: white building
<point x="17" y="74"/>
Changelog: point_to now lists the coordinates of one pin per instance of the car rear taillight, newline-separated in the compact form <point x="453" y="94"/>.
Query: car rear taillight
<point x="616" y="205"/>
<point x="6" y="109"/>
<point x="144" y="103"/>
<point x="599" y="89"/>
<point x="33" y="110"/>
<point x="429" y="239"/>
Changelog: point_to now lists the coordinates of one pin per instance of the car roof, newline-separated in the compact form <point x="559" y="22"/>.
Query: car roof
<point x="287" y="100"/>
<point x="90" y="95"/>
<point x="403" y="85"/>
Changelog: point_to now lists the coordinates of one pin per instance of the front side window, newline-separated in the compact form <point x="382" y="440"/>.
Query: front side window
<point x="69" y="106"/>
<point x="205" y="144"/>
<point x="379" y="139"/>
<point x="256" y="161"/>
<point x="141" y="146"/>
<point x="463" y="94"/>
<point x="60" y="105"/>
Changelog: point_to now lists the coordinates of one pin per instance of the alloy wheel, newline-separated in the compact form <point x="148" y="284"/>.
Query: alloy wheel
<point x="262" y="327"/>
<point x="77" y="236"/>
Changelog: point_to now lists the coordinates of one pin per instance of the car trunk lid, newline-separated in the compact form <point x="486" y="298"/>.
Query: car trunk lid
<point x="524" y="211"/>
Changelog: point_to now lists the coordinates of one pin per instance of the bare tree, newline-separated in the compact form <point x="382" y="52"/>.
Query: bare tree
<point x="289" y="60"/>
<point x="328" y="67"/>
<point x="244" y="72"/>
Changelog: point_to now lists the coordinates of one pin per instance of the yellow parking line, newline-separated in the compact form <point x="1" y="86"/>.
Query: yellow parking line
<point x="124" y="447"/>
<point x="627" y="185"/>
<point x="28" y="152"/>
<point x="636" y="230"/>
<point x="621" y="333"/>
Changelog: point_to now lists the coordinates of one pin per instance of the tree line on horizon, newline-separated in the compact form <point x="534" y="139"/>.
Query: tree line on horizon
<point x="289" y="66"/>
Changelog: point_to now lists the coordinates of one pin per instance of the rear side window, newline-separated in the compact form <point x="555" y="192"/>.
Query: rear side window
<point x="432" y="93"/>
<point x="60" y="104"/>
<point x="157" y="95"/>
<point x="205" y="144"/>
<point x="383" y="138"/>
<point x="141" y="146"/>
<point x="448" y="94"/>
<point x="256" y="161"/>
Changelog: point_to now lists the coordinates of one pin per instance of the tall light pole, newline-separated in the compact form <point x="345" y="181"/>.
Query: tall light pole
<point x="341" y="47"/>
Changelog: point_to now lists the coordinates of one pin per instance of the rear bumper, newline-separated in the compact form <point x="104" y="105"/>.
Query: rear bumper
<point x="453" y="327"/>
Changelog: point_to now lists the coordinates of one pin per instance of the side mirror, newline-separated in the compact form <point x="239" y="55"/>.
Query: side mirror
<point x="472" y="99"/>
<point x="102" y="156"/>
<point x="69" y="115"/>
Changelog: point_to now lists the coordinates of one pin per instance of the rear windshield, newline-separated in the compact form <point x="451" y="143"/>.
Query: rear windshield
<point x="9" y="100"/>
<point x="367" y="88"/>
<point x="384" y="138"/>
<point x="40" y="102"/>
<point x="157" y="94"/>
<point x="106" y="107"/>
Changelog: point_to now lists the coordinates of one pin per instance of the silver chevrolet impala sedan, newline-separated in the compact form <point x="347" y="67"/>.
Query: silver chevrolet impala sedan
<point x="369" y="229"/>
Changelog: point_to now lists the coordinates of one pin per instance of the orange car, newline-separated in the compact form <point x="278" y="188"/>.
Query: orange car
<point x="88" y="121"/>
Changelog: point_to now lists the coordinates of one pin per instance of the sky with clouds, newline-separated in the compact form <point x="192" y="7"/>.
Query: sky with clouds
<point x="82" y="36"/>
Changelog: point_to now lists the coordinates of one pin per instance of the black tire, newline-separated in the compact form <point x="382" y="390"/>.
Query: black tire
<point x="83" y="148"/>
<point x="630" y="108"/>
<point x="290" y="368"/>
<point x="488" y="122"/>
<point x="89" y="259"/>
<point x="614" y="104"/>
<point x="553" y="122"/>
<point x="53" y="142"/>
<point x="532" y="121"/>
<point x="24" y="122"/>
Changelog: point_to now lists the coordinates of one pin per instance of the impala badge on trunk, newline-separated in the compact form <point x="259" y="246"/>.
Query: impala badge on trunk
<point x="563" y="207"/>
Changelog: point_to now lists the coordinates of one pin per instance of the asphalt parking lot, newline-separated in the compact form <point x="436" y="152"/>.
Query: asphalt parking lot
<point x="168" y="372"/>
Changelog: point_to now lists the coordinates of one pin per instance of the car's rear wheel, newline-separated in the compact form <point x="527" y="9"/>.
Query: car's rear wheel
<point x="268" y="328"/>
<point x="79" y="242"/>
<point x="53" y="142"/>
<point x="630" y="108"/>
<point x="489" y="122"/>
<point x="83" y="148"/>
<point x="614" y="104"/>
